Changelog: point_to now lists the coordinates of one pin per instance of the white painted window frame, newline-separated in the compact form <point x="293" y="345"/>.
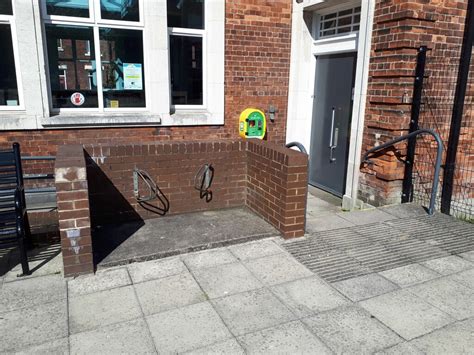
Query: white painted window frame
<point x="196" y="33"/>
<point x="10" y="20"/>
<point x="96" y="22"/>
<point x="158" y="109"/>
<point x="212" y="110"/>
<point x="317" y="25"/>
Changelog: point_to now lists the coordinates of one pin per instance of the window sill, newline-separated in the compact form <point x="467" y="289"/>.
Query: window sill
<point x="193" y="117"/>
<point x="101" y="120"/>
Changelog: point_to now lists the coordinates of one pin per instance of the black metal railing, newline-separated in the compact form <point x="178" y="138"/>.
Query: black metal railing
<point x="437" y="166"/>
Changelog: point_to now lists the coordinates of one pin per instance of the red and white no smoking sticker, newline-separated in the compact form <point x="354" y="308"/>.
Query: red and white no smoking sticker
<point x="77" y="99"/>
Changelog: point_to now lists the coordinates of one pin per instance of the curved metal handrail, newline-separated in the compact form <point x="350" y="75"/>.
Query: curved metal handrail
<point x="439" y="153"/>
<point x="297" y="145"/>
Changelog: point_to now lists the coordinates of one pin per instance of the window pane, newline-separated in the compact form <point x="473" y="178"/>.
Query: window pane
<point x="122" y="67"/>
<point x="75" y="8"/>
<point x="6" y="7"/>
<point x="186" y="13"/>
<point x="8" y="84"/>
<point x="186" y="70"/>
<point x="126" y="10"/>
<point x="72" y="67"/>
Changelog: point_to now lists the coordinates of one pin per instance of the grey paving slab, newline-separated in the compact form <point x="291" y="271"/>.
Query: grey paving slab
<point x="276" y="269"/>
<point x="348" y="330"/>
<point x="102" y="280"/>
<point x="251" y="311"/>
<point x="404" y="348"/>
<point x="407" y="210"/>
<point x="52" y="347"/>
<point x="227" y="347"/>
<point x="325" y="223"/>
<point x="407" y="314"/>
<point x="409" y="275"/>
<point x="155" y="269"/>
<point x="289" y="338"/>
<point x="168" y="293"/>
<point x="317" y="207"/>
<point x="227" y="279"/>
<point x="451" y="297"/>
<point x="130" y="337"/>
<point x="32" y="326"/>
<point x="47" y="261"/>
<point x="468" y="256"/>
<point x="465" y="277"/>
<point x="448" y="265"/>
<point x="317" y="194"/>
<point x="254" y="250"/>
<point x="209" y="258"/>
<point x="308" y="296"/>
<point x="366" y="216"/>
<point x="187" y="328"/>
<point x="31" y="292"/>
<point x="457" y="338"/>
<point x="363" y="287"/>
<point x="102" y="308"/>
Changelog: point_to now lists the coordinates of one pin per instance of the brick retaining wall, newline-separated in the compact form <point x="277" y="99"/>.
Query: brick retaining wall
<point x="95" y="186"/>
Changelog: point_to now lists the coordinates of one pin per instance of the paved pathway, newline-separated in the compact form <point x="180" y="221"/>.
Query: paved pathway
<point x="248" y="298"/>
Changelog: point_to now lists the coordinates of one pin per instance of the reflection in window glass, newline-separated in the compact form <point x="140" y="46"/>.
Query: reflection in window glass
<point x="186" y="70"/>
<point x="186" y="13"/>
<point x="8" y="83"/>
<point x="125" y="10"/>
<point x="6" y="7"/>
<point x="122" y="68"/>
<point x="71" y="66"/>
<point x="73" y="8"/>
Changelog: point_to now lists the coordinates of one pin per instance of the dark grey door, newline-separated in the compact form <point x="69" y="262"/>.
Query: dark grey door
<point x="330" y="133"/>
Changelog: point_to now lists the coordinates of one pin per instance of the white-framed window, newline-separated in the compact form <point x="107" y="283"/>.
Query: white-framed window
<point x="102" y="46"/>
<point x="11" y="93"/>
<point x="187" y="53"/>
<point x="158" y="66"/>
<point x="339" y="22"/>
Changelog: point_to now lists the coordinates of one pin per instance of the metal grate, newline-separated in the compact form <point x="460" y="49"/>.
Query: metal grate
<point x="345" y="253"/>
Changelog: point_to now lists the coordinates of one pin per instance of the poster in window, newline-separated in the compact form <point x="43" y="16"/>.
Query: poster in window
<point x="132" y="76"/>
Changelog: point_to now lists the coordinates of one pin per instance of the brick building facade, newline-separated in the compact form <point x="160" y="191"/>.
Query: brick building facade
<point x="400" y="28"/>
<point x="267" y="54"/>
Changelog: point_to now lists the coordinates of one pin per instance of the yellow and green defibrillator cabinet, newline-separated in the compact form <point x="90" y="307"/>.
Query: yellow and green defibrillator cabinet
<point x="252" y="124"/>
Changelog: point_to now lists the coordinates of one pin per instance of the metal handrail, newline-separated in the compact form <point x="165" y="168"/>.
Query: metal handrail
<point x="439" y="153"/>
<point x="297" y="145"/>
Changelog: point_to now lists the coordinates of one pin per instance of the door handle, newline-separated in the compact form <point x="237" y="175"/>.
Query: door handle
<point x="333" y="137"/>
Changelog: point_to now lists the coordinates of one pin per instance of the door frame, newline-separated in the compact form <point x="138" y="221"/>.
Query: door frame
<point x="305" y="47"/>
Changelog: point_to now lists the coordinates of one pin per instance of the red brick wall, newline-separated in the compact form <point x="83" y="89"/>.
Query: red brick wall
<point x="173" y="167"/>
<point x="400" y="27"/>
<point x="277" y="186"/>
<point x="257" y="61"/>
<point x="258" y="40"/>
